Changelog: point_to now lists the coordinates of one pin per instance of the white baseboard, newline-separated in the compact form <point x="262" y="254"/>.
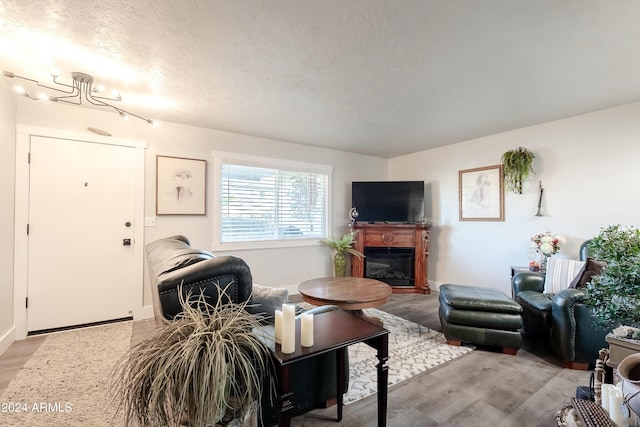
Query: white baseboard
<point x="7" y="339"/>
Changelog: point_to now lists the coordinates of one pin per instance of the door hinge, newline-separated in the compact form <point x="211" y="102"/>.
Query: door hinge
<point x="27" y="229"/>
<point x="29" y="158"/>
<point x="26" y="302"/>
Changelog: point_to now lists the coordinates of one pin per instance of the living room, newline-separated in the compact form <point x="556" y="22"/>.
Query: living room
<point x="586" y="163"/>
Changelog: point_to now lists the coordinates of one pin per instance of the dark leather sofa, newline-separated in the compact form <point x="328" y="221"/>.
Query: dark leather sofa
<point x="561" y="320"/>
<point x="172" y="262"/>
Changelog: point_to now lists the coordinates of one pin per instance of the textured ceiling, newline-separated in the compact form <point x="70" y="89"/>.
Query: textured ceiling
<point x="384" y="78"/>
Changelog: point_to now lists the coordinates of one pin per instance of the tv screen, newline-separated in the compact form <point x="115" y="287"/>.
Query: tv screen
<point x="388" y="201"/>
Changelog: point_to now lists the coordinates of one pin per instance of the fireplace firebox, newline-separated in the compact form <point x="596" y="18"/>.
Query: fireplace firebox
<point x="397" y="254"/>
<point x="394" y="266"/>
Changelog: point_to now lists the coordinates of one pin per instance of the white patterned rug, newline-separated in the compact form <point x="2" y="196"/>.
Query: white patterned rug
<point x="413" y="349"/>
<point x="65" y="382"/>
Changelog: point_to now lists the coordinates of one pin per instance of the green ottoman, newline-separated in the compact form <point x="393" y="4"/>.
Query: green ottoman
<point x="482" y="316"/>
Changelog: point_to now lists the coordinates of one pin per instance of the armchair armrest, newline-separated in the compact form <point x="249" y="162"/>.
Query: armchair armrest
<point x="574" y="337"/>
<point x="527" y="281"/>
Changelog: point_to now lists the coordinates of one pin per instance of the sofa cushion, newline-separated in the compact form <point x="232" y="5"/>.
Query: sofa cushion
<point x="589" y="269"/>
<point x="560" y="273"/>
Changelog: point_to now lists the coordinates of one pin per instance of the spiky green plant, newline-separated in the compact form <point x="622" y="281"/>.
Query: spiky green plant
<point x="517" y="166"/>
<point x="197" y="369"/>
<point x="343" y="244"/>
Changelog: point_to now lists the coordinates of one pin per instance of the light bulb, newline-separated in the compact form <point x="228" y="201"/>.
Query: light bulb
<point x="43" y="96"/>
<point x="54" y="72"/>
<point x="116" y="95"/>
<point x="123" y="115"/>
<point x="99" y="88"/>
<point x="20" y="90"/>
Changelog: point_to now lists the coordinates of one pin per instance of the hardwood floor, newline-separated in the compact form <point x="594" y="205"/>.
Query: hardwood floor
<point x="483" y="388"/>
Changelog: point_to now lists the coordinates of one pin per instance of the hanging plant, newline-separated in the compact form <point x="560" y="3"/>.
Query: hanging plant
<point x="516" y="165"/>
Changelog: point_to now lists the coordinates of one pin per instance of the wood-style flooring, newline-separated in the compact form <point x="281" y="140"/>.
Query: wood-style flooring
<point x="483" y="388"/>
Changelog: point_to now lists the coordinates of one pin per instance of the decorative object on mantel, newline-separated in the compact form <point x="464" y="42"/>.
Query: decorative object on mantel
<point x="353" y="215"/>
<point x="544" y="245"/>
<point x="540" y="191"/>
<point x="81" y="87"/>
<point x="342" y="246"/>
<point x="614" y="294"/>
<point x="517" y="166"/>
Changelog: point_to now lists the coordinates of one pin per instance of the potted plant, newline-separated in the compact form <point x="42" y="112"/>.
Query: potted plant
<point x="206" y="367"/>
<point x="614" y="294"/>
<point x="342" y="247"/>
<point x="517" y="166"/>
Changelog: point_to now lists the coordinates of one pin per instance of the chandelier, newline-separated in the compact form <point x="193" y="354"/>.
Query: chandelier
<point x="81" y="87"/>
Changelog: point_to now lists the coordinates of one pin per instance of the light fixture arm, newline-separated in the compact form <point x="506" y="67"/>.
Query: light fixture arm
<point x="82" y="85"/>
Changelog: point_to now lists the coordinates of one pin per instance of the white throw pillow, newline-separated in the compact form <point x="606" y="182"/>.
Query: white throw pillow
<point x="560" y="274"/>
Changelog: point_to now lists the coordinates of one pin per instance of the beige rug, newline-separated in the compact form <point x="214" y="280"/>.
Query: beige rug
<point x="65" y="381"/>
<point x="413" y="349"/>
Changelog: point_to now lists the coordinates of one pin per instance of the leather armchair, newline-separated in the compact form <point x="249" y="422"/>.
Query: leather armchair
<point x="172" y="262"/>
<point x="561" y="320"/>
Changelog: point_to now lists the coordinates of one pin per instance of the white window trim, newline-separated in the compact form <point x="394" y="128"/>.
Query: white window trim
<point x="219" y="157"/>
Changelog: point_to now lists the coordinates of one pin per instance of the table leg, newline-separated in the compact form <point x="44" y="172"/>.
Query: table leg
<point x="341" y="378"/>
<point x="381" y="344"/>
<point x="284" y="396"/>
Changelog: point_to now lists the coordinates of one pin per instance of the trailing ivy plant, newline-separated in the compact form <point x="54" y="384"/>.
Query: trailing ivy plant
<point x="517" y="166"/>
<point x="614" y="295"/>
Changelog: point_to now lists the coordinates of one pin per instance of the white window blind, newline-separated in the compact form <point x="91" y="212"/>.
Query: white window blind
<point x="261" y="203"/>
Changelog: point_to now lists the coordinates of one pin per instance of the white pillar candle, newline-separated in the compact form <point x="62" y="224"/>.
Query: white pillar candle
<point x="306" y="330"/>
<point x="278" y="326"/>
<point x="615" y="409"/>
<point x="288" y="329"/>
<point x="604" y="394"/>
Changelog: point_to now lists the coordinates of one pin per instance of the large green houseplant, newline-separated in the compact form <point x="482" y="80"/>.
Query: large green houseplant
<point x="614" y="294"/>
<point x="342" y="246"/>
<point x="517" y="166"/>
<point x="206" y="367"/>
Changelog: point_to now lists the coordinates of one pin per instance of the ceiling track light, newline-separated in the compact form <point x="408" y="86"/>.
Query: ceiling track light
<point x="80" y="87"/>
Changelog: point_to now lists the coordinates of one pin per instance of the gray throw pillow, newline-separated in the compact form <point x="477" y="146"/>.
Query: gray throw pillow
<point x="265" y="300"/>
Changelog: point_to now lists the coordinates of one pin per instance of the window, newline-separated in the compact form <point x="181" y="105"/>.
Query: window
<point x="263" y="200"/>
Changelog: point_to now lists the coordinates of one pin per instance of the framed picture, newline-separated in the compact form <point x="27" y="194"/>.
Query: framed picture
<point x="481" y="194"/>
<point x="181" y="186"/>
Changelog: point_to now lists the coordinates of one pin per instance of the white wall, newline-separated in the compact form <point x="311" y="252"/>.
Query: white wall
<point x="274" y="267"/>
<point x="8" y="113"/>
<point x="589" y="166"/>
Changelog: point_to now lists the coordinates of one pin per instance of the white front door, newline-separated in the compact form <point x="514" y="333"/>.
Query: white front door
<point x="81" y="211"/>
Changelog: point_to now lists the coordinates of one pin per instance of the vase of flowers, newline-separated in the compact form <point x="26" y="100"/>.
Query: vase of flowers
<point x="545" y="245"/>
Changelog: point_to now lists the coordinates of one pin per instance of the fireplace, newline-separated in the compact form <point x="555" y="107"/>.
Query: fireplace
<point x="394" y="266"/>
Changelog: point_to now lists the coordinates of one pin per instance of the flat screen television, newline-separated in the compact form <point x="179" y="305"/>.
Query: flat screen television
<point x="388" y="201"/>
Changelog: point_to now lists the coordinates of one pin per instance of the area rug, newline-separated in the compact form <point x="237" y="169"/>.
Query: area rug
<point x="413" y="349"/>
<point x="65" y="382"/>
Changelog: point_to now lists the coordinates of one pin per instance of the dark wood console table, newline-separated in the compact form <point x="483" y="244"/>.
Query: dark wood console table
<point x="334" y="331"/>
<point x="385" y="235"/>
